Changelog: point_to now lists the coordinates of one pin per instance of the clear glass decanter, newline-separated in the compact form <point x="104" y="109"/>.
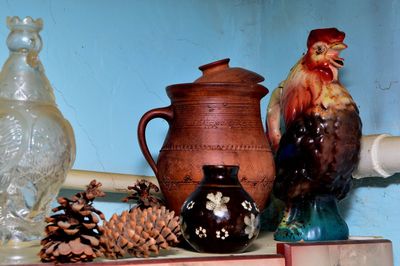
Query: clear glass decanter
<point x="37" y="145"/>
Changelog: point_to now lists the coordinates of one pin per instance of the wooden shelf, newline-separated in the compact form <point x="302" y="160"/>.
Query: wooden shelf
<point x="267" y="252"/>
<point x="357" y="252"/>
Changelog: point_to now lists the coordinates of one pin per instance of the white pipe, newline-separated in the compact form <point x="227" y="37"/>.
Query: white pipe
<point x="111" y="182"/>
<point x="379" y="156"/>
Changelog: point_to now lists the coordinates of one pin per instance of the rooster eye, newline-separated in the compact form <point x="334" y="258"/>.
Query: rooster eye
<point x="320" y="49"/>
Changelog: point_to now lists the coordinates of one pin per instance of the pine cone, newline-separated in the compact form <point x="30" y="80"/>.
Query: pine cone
<point x="73" y="235"/>
<point x="142" y="194"/>
<point x="140" y="232"/>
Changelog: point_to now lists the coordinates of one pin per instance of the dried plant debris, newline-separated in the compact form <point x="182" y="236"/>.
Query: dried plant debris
<point x="73" y="233"/>
<point x="140" y="232"/>
<point x="142" y="194"/>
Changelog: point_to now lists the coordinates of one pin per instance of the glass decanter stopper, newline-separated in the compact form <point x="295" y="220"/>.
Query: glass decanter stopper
<point x="37" y="145"/>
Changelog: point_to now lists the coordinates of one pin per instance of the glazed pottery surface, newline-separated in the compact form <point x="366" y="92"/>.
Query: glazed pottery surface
<point x="215" y="120"/>
<point x="219" y="216"/>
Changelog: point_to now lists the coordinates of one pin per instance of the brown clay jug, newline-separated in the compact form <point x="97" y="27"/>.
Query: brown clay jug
<point x="214" y="121"/>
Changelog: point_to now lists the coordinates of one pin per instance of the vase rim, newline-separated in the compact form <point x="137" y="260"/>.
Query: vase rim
<point x="220" y="166"/>
<point x="184" y="90"/>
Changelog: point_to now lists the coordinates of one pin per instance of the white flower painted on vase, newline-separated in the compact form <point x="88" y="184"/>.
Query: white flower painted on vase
<point x="217" y="203"/>
<point x="222" y="234"/>
<point x="247" y="205"/>
<point x="190" y="205"/>
<point x="251" y="225"/>
<point x="201" y="232"/>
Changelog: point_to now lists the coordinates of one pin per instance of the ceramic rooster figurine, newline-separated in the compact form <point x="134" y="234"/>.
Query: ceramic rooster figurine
<point x="319" y="149"/>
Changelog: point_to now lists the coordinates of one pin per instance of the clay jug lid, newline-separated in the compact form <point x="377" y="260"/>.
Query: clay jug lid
<point x="220" y="72"/>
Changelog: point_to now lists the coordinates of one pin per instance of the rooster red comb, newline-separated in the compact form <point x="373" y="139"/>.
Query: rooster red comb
<point x="328" y="35"/>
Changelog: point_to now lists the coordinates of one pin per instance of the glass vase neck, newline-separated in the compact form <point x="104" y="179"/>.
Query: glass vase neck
<point x="22" y="77"/>
<point x="24" y="34"/>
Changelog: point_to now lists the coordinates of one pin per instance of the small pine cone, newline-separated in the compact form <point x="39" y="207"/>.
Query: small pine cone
<point x="141" y="193"/>
<point x="140" y="232"/>
<point x="72" y="234"/>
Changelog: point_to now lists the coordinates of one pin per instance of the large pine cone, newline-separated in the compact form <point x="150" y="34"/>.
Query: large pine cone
<point x="140" y="232"/>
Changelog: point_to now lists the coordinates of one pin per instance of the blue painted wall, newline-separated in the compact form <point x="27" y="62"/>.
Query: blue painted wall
<point x="109" y="62"/>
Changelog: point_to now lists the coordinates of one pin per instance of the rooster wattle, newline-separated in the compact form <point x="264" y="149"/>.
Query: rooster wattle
<point x="319" y="149"/>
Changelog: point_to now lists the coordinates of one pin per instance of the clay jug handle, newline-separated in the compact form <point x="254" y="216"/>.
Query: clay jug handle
<point x="165" y="113"/>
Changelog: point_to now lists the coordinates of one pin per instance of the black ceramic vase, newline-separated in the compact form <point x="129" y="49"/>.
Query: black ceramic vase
<point x="219" y="216"/>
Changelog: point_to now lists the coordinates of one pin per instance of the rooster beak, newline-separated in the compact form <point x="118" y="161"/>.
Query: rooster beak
<point x="338" y="46"/>
<point x="333" y="54"/>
